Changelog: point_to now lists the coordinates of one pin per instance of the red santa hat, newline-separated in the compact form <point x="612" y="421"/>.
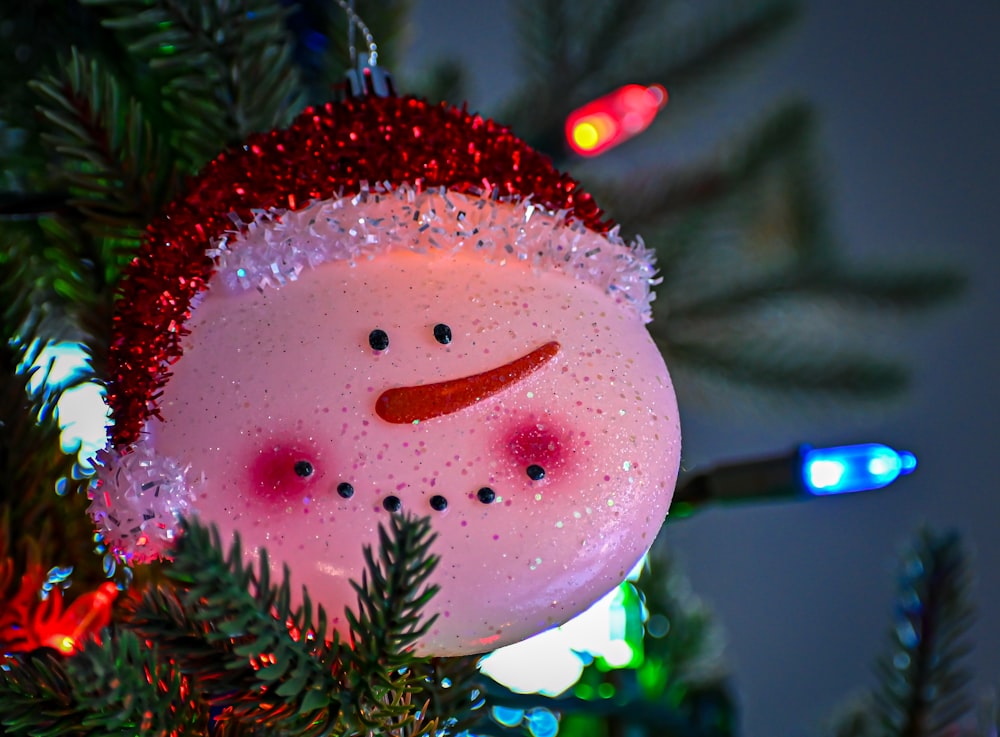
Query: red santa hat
<point x="344" y="152"/>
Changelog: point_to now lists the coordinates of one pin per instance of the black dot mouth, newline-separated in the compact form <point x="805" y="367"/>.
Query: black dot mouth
<point x="442" y="333"/>
<point x="378" y="339"/>
<point x="438" y="502"/>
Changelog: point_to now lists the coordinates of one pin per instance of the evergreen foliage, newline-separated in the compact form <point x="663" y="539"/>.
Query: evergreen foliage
<point x="109" y="159"/>
<point x="43" y="520"/>
<point x="223" y="69"/>
<point x="922" y="679"/>
<point x="749" y="259"/>
<point x="223" y="649"/>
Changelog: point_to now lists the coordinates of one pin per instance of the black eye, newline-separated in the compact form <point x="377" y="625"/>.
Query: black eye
<point x="486" y="495"/>
<point x="439" y="503"/>
<point x="392" y="503"/>
<point x="378" y="340"/>
<point x="442" y="333"/>
<point x="345" y="490"/>
<point x="304" y="469"/>
<point x="535" y="472"/>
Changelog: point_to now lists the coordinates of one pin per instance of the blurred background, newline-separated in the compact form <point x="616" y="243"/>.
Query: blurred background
<point x="907" y="100"/>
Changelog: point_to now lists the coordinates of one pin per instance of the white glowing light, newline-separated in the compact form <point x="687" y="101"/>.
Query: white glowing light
<point x="825" y="474"/>
<point x="551" y="662"/>
<point x="81" y="411"/>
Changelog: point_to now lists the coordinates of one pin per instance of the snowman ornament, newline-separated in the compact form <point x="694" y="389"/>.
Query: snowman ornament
<point x="394" y="307"/>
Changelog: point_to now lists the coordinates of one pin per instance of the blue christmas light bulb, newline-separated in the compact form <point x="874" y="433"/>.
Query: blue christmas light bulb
<point x="847" y="468"/>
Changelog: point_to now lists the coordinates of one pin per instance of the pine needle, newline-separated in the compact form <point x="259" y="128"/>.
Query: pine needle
<point x="225" y="68"/>
<point x="392" y="596"/>
<point x="119" y="173"/>
<point x="922" y="678"/>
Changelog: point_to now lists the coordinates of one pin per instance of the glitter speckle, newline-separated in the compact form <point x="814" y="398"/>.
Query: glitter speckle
<point x="275" y="356"/>
<point x="137" y="499"/>
<point x="286" y="168"/>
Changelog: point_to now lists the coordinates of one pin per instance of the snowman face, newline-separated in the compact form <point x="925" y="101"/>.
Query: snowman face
<point x="526" y="413"/>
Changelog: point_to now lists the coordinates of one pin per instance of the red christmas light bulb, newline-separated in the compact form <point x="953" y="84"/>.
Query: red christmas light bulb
<point x="614" y="118"/>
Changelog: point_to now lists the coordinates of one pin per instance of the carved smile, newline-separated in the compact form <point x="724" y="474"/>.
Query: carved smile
<point x="410" y="404"/>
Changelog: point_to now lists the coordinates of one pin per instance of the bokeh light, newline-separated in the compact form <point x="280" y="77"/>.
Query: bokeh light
<point x="81" y="411"/>
<point x="551" y="662"/>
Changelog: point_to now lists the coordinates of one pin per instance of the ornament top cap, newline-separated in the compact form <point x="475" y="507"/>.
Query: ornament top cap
<point x="334" y="151"/>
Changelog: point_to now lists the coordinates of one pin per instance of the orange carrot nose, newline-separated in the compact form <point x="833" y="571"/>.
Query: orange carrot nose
<point x="412" y="404"/>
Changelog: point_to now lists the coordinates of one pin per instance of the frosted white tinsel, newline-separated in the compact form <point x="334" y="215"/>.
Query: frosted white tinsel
<point x="275" y="248"/>
<point x="137" y="500"/>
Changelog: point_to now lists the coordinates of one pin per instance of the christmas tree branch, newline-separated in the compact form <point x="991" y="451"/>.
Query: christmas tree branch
<point x="859" y="376"/>
<point x="127" y="687"/>
<point x="226" y="68"/>
<point x="36" y="699"/>
<point x="392" y="594"/>
<point x="37" y="37"/>
<point x="454" y="691"/>
<point x="33" y="465"/>
<point x="121" y="687"/>
<point x="903" y="292"/>
<point x="690" y="56"/>
<point x="265" y="663"/>
<point x="576" y="56"/>
<point x="645" y="199"/>
<point x="234" y="634"/>
<point x="922" y="689"/>
<point x="118" y="171"/>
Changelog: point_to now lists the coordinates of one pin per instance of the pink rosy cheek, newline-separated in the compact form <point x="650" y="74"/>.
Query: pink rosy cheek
<point x="537" y="449"/>
<point x="284" y="471"/>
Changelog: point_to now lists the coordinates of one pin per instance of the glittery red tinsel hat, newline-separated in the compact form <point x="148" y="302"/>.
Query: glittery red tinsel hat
<point x="327" y="152"/>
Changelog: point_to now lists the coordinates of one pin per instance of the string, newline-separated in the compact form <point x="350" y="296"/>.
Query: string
<point x="356" y="22"/>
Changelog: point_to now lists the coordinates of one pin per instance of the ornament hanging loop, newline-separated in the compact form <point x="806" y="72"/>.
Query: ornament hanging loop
<point x="364" y="77"/>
